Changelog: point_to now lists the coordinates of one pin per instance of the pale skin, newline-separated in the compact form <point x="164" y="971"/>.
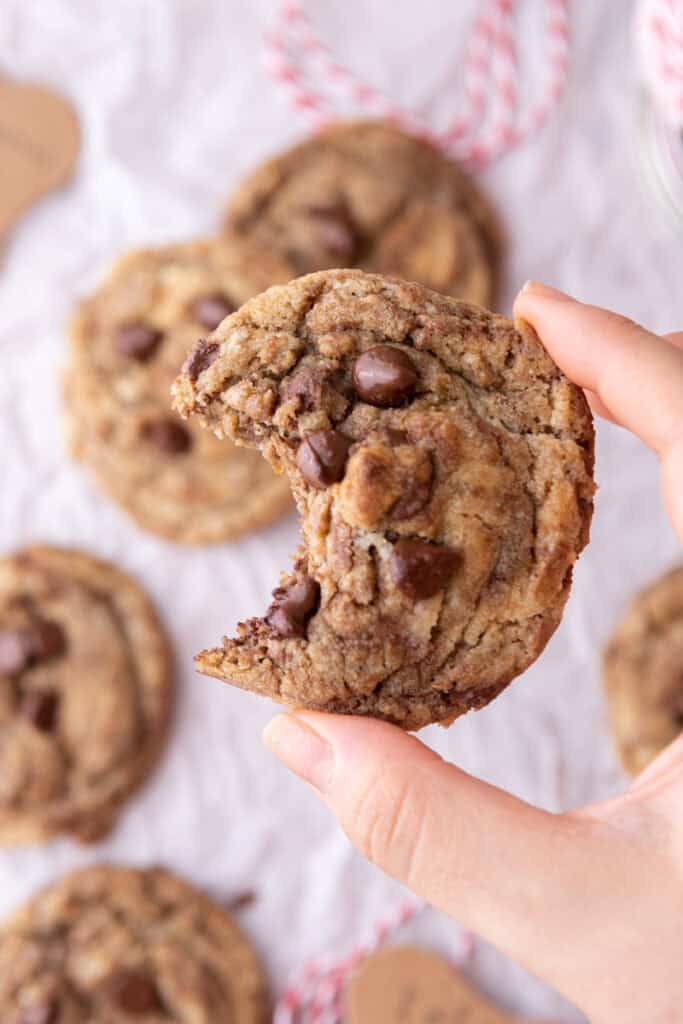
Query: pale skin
<point x="590" y="900"/>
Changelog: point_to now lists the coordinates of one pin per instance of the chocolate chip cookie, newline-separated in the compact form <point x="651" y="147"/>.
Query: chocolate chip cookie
<point x="366" y="194"/>
<point x="108" y="945"/>
<point x="442" y="466"/>
<point x="84" y="694"/>
<point x="643" y="673"/>
<point x="128" y="343"/>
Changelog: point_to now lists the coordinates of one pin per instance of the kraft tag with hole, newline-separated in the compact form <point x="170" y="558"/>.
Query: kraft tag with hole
<point x="39" y="143"/>
<point x="409" y="985"/>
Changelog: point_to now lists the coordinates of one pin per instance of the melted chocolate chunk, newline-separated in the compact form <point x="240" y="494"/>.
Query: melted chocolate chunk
<point x="293" y="606"/>
<point x="307" y="385"/>
<point x="133" y="992"/>
<point x="322" y="456"/>
<point x="137" y="341"/>
<point x="169" y="436"/>
<point x="200" y="358"/>
<point x="384" y="376"/>
<point x="210" y="310"/>
<point x="40" y="708"/>
<point x="47" y="640"/>
<point x="421" y="569"/>
<point x="336" y="231"/>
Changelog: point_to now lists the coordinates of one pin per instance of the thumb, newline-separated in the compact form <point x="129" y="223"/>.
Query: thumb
<point x="529" y="881"/>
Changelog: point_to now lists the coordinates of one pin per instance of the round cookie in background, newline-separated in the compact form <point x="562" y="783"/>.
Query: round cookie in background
<point x="643" y="673"/>
<point x="443" y="468"/>
<point x="128" y="342"/>
<point x="415" y="986"/>
<point x="110" y="944"/>
<point x="366" y="194"/>
<point x="85" y="693"/>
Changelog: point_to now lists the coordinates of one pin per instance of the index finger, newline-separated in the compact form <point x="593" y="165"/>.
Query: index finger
<point x="637" y="375"/>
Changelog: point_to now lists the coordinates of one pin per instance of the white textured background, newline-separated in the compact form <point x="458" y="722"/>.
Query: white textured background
<point x="175" y="106"/>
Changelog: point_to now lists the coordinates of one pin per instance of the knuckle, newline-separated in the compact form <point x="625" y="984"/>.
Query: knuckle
<point x="389" y="832"/>
<point x="624" y="323"/>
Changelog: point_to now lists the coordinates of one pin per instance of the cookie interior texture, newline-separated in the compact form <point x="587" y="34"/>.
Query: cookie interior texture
<point x="442" y="466"/>
<point x="85" y="687"/>
<point x="643" y="673"/>
<point x="366" y="194"/>
<point x="127" y="342"/>
<point x="111" y="944"/>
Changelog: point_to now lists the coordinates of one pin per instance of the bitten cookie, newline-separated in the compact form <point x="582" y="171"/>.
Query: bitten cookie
<point x="366" y="194"/>
<point x="442" y="466"/>
<point x="643" y="673"/>
<point x="85" y="688"/>
<point x="127" y="344"/>
<point x="109" y="945"/>
<point x="414" y="986"/>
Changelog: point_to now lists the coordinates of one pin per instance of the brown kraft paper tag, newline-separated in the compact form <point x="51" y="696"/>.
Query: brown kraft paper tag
<point x="39" y="143"/>
<point x="409" y="985"/>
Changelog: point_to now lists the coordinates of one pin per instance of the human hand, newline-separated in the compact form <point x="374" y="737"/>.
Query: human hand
<point x="590" y="900"/>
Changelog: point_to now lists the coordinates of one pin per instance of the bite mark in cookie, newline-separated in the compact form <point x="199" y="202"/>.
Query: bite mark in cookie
<point x="442" y="466"/>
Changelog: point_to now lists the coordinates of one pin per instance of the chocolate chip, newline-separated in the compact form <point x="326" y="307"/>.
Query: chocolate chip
<point x="45" y="1013"/>
<point x="242" y="900"/>
<point x="200" y="359"/>
<point x="137" y="341"/>
<point x="133" y="992"/>
<point x="336" y="231"/>
<point x="40" y="707"/>
<point x="15" y="651"/>
<point x="384" y="376"/>
<point x="210" y="310"/>
<point x="420" y="569"/>
<point x="321" y="457"/>
<point x="293" y="606"/>
<point x="47" y="640"/>
<point x="169" y="436"/>
<point x="307" y="385"/>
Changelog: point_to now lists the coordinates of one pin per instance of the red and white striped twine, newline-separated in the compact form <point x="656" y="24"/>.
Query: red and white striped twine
<point x="659" y="28"/>
<point x="315" y="994"/>
<point x="496" y="112"/>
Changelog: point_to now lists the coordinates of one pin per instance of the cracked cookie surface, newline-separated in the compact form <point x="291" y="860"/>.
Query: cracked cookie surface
<point x="111" y="945"/>
<point x="84" y="693"/>
<point x="366" y="194"/>
<point x="127" y="343"/>
<point x="442" y="466"/>
<point x="643" y="673"/>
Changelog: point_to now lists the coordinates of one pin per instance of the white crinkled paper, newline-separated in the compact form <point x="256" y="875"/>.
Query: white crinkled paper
<point x="175" y="106"/>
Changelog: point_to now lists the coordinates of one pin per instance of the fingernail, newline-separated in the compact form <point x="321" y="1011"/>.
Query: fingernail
<point x="544" y="291"/>
<point x="301" y="749"/>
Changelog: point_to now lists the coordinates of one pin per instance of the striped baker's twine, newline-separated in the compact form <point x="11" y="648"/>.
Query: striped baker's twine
<point x="492" y="117"/>
<point x="659" y="28"/>
<point x="315" y="995"/>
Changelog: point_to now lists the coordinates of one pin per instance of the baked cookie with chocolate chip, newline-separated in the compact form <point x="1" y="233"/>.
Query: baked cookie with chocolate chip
<point x="643" y="673"/>
<point x="127" y="344"/>
<point x="367" y="194"/>
<point x="85" y="690"/>
<point x="442" y="466"/>
<point x="109" y="945"/>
